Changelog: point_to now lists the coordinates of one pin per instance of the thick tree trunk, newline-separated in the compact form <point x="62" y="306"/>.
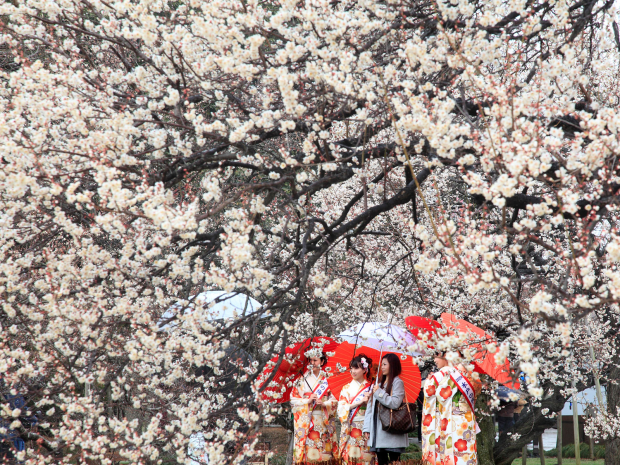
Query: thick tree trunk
<point x="531" y="424"/>
<point x="486" y="437"/>
<point x="612" y="446"/>
<point x="291" y="447"/>
<point x="558" y="444"/>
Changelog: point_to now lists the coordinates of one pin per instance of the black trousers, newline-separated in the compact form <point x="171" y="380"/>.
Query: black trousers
<point x="505" y="424"/>
<point x="384" y="457"/>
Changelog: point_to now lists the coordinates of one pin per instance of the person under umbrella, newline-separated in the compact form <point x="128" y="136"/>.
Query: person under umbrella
<point x="337" y="368"/>
<point x="313" y="407"/>
<point x="389" y="392"/>
<point x="477" y="343"/>
<point x="509" y="401"/>
<point x="276" y="387"/>
<point x="352" y="402"/>
<point x="449" y="425"/>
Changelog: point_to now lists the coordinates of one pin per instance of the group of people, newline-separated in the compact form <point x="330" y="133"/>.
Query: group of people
<point x="449" y="427"/>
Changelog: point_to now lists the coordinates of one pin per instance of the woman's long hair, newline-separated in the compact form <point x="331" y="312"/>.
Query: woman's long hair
<point x="356" y="362"/>
<point x="395" y="370"/>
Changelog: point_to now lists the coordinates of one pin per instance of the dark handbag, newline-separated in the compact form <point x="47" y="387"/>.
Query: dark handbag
<point x="399" y="420"/>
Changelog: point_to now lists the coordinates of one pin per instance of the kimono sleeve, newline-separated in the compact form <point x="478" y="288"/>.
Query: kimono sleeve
<point x="329" y="404"/>
<point x="430" y="390"/>
<point x="343" y="405"/>
<point x="297" y="398"/>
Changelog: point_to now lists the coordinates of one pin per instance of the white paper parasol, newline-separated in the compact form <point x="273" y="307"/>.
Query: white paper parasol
<point x="383" y="337"/>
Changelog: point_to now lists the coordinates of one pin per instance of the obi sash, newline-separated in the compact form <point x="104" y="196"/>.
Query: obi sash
<point x="464" y="386"/>
<point x="320" y="390"/>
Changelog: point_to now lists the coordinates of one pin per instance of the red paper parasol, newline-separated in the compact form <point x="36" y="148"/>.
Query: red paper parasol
<point x="483" y="359"/>
<point x="291" y="368"/>
<point x="345" y="352"/>
<point x="338" y="365"/>
<point x="420" y="326"/>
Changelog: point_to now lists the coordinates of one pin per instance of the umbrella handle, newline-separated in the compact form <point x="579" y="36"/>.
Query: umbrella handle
<point x="380" y="355"/>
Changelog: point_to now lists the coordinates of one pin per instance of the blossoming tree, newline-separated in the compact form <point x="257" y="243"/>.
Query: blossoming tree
<point x="338" y="160"/>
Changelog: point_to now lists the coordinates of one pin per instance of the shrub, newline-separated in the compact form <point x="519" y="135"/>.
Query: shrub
<point x="569" y="451"/>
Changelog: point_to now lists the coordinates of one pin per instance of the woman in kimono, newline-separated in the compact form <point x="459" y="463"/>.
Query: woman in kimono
<point x="314" y="407"/>
<point x="351" y="413"/>
<point x="448" y="420"/>
<point x="430" y="421"/>
<point x="389" y="392"/>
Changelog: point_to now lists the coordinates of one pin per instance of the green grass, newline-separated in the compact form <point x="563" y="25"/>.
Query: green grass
<point x="569" y="451"/>
<point x="278" y="460"/>
<point x="568" y="456"/>
<point x="413" y="452"/>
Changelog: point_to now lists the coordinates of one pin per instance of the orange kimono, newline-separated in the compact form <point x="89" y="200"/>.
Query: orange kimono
<point x="353" y="448"/>
<point x="315" y="429"/>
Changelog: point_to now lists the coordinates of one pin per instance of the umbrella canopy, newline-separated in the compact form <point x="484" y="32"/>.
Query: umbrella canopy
<point x="477" y="339"/>
<point x="338" y="368"/>
<point x="383" y="337"/>
<point x="291" y="368"/>
<point x="338" y="365"/>
<point x="212" y="305"/>
<point x="509" y="395"/>
<point x="420" y="327"/>
<point x="484" y="361"/>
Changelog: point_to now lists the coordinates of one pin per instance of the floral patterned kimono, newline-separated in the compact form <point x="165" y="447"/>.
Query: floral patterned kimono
<point x="430" y="420"/>
<point x="448" y="423"/>
<point x="315" y="429"/>
<point x="353" y="448"/>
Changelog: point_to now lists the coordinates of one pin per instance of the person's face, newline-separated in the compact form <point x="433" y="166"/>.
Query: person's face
<point x="385" y="367"/>
<point x="357" y="373"/>
<point x="315" y="363"/>
<point x="440" y="362"/>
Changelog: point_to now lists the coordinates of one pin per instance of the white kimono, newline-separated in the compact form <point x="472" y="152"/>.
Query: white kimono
<point x="353" y="448"/>
<point x="315" y="429"/>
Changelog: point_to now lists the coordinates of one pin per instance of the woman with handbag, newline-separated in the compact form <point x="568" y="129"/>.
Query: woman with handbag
<point x="386" y="439"/>
<point x="351" y="412"/>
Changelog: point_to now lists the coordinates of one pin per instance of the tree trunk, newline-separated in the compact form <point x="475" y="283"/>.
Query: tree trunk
<point x="612" y="446"/>
<point x="558" y="444"/>
<point x="486" y="437"/>
<point x="289" y="452"/>
<point x="576" y="429"/>
<point x="531" y="424"/>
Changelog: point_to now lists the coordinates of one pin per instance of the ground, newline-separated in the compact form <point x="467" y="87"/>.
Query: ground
<point x="277" y="437"/>
<point x="554" y="461"/>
